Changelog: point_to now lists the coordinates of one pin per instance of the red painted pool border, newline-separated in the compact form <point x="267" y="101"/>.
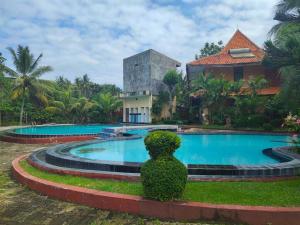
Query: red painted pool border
<point x="45" y="140"/>
<point x="184" y="211"/>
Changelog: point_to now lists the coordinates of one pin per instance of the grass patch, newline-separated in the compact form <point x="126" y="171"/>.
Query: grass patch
<point x="277" y="193"/>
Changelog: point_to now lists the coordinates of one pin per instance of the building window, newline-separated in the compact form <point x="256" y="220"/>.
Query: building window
<point x="238" y="73"/>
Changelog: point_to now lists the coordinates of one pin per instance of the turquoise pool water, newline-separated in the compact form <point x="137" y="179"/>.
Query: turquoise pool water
<point x="62" y="129"/>
<point x="218" y="149"/>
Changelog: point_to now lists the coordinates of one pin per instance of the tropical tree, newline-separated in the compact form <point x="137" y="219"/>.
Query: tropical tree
<point x="107" y="104"/>
<point x="287" y="12"/>
<point x="214" y="93"/>
<point x="26" y="74"/>
<point x="63" y="82"/>
<point x="283" y="52"/>
<point x="256" y="83"/>
<point x="83" y="85"/>
<point x="5" y="105"/>
<point x="81" y="109"/>
<point x="171" y="79"/>
<point x="210" y="49"/>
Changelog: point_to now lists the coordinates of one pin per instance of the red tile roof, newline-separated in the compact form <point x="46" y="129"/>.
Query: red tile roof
<point x="238" y="40"/>
<point x="269" y="91"/>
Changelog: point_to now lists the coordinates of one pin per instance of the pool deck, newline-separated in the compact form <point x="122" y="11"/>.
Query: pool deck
<point x="125" y="128"/>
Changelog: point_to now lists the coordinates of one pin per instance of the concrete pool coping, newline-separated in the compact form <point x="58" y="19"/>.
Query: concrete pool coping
<point x="175" y="210"/>
<point x="59" y="156"/>
<point x="9" y="136"/>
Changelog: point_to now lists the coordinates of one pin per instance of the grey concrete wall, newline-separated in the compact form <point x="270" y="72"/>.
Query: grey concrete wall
<point x="159" y="66"/>
<point x="146" y="70"/>
<point x="136" y="72"/>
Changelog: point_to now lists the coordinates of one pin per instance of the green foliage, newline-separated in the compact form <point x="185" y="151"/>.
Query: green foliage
<point x="275" y="193"/>
<point x="210" y="49"/>
<point x="283" y="52"/>
<point x="163" y="179"/>
<point x="287" y="12"/>
<point x="27" y="72"/>
<point x="107" y="104"/>
<point x="215" y="94"/>
<point x="158" y="103"/>
<point x="81" y="109"/>
<point x="171" y="79"/>
<point x="163" y="176"/>
<point x="161" y="143"/>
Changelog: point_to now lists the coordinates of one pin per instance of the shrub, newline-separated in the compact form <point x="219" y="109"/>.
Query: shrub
<point x="161" y="143"/>
<point x="163" y="178"/>
<point x="267" y="126"/>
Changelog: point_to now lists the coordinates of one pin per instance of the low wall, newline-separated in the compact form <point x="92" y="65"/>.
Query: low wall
<point x="45" y="140"/>
<point x="176" y="210"/>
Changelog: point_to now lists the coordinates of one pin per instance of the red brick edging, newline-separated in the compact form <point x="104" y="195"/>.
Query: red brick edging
<point x="45" y="140"/>
<point x="187" y="211"/>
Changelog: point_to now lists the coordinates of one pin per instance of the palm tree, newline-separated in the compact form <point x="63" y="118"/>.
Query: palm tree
<point x="81" y="108"/>
<point x="63" y="82"/>
<point x="63" y="105"/>
<point x="256" y="83"/>
<point x="27" y="73"/>
<point x="84" y="85"/>
<point x="287" y="12"/>
<point x="108" y="104"/>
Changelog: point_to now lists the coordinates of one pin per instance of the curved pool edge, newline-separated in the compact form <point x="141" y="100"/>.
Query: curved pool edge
<point x="9" y="135"/>
<point x="176" y="210"/>
<point x="59" y="156"/>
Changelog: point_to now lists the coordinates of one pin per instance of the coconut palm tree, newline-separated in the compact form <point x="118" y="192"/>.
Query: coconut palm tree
<point x="84" y="85"/>
<point x="27" y="73"/>
<point x="287" y="12"/>
<point x="81" y="108"/>
<point x="108" y="104"/>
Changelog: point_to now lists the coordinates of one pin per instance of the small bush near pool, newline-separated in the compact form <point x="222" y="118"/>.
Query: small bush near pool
<point x="161" y="142"/>
<point x="163" y="176"/>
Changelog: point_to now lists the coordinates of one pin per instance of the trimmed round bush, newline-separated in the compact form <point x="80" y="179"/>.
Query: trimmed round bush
<point x="161" y="143"/>
<point x="163" y="178"/>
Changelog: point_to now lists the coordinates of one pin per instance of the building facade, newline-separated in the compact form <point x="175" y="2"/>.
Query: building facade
<point x="142" y="81"/>
<point x="239" y="59"/>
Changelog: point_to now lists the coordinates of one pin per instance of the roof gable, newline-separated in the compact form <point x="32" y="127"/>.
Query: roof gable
<point x="237" y="41"/>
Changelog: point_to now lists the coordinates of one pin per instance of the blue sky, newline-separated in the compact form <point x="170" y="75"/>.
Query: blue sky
<point x="80" y="36"/>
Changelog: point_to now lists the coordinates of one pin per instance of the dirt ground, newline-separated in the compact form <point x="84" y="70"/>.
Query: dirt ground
<point x="21" y="206"/>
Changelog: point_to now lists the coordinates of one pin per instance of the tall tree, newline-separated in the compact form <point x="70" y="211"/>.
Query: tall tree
<point x="283" y="52"/>
<point x="63" y="82"/>
<point x="287" y="12"/>
<point x="81" y="108"/>
<point x="108" y="104"/>
<point x="27" y="73"/>
<point x="210" y="49"/>
<point x="84" y="86"/>
<point x="171" y="80"/>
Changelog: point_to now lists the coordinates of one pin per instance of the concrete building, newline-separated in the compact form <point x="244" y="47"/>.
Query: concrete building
<point x="142" y="81"/>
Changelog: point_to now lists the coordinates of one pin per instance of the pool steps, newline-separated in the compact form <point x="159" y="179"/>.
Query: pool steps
<point x="117" y="131"/>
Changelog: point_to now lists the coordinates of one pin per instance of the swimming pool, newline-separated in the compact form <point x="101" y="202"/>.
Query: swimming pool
<point x="208" y="149"/>
<point x="58" y="130"/>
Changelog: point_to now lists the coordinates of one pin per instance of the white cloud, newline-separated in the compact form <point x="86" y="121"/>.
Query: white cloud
<point x="78" y="37"/>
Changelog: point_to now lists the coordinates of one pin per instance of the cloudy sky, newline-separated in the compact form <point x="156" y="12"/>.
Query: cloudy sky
<point x="93" y="36"/>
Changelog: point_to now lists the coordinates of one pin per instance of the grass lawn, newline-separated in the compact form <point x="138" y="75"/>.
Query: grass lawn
<point x="277" y="193"/>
